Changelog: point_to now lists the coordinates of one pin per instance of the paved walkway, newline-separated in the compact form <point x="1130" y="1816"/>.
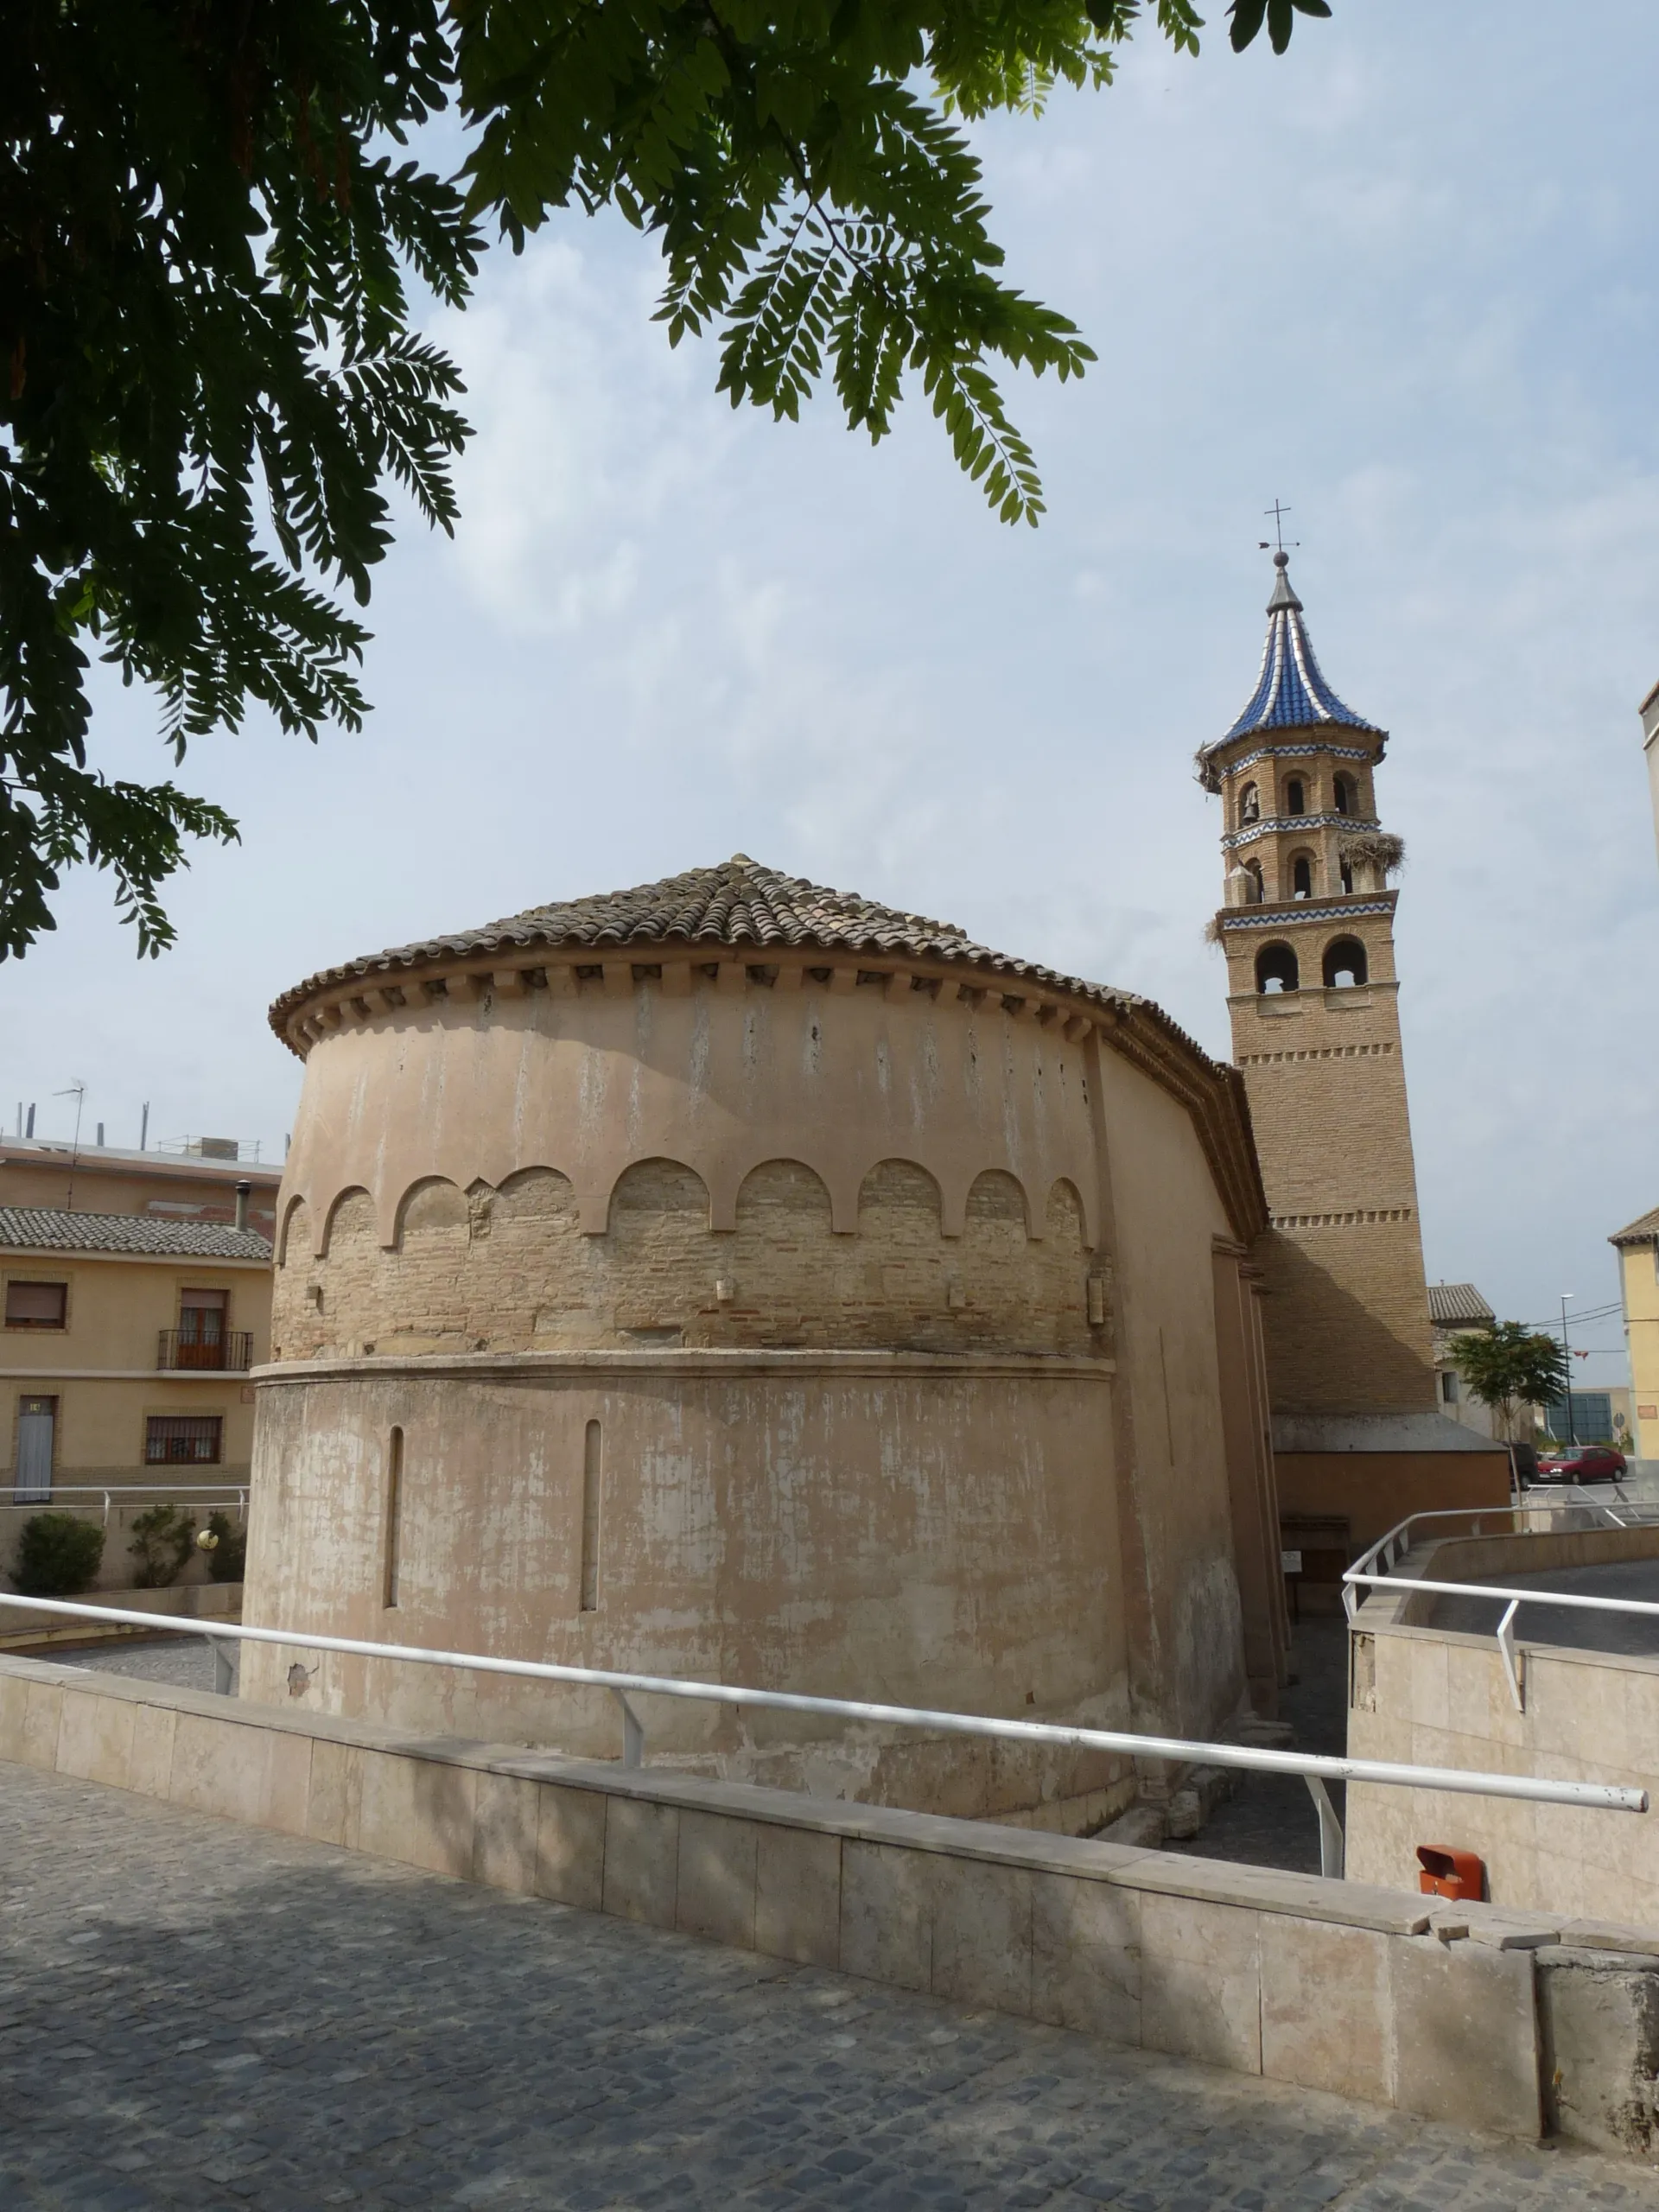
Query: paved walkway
<point x="195" y="2014"/>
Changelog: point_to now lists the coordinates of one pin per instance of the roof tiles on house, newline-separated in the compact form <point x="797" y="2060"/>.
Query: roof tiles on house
<point x="1458" y="1305"/>
<point x="1644" y="1231"/>
<point x="50" y="1229"/>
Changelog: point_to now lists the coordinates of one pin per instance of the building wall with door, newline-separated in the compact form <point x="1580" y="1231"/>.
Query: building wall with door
<point x="125" y="1366"/>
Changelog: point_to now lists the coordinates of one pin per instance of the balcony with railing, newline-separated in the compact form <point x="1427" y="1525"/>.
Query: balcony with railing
<point x="225" y="1351"/>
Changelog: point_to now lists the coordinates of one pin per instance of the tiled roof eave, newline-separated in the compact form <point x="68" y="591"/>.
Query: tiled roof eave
<point x="423" y="963"/>
<point x="751" y="915"/>
<point x="48" y="1230"/>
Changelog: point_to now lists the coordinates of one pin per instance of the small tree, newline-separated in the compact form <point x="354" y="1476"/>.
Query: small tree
<point x="161" y="1541"/>
<point x="1509" y="1366"/>
<point x="227" y="1556"/>
<point x="58" y="1556"/>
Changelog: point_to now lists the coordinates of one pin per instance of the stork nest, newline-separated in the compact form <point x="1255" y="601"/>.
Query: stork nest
<point x="1379" y="846"/>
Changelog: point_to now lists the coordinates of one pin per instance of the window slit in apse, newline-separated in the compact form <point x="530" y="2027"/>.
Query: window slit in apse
<point x="590" y="1481"/>
<point x="394" y="1512"/>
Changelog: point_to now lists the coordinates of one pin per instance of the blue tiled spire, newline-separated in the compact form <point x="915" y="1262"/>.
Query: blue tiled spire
<point x="1290" y="693"/>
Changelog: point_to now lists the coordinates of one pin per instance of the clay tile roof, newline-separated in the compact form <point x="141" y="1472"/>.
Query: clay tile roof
<point x="742" y="904"/>
<point x="738" y="903"/>
<point x="1458" y="1305"/>
<point x="49" y="1229"/>
<point x="1645" y="1230"/>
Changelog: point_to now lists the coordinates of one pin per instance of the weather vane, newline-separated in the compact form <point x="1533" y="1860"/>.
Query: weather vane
<point x="1278" y="511"/>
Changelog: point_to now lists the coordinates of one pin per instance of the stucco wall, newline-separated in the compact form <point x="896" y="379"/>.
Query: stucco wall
<point x="1433" y="1698"/>
<point x="1639" y="1281"/>
<point x="841" y="1262"/>
<point x="721" y="1077"/>
<point x="1375" y="1491"/>
<point x="911" y="1531"/>
<point x="102" y="1367"/>
<point x="1176" y="1502"/>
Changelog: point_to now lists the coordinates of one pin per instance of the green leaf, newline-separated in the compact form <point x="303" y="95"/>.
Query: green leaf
<point x="216" y="246"/>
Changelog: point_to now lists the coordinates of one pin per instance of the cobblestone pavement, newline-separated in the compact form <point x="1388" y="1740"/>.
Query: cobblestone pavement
<point x="194" y="2014"/>
<point x="1269" y="1820"/>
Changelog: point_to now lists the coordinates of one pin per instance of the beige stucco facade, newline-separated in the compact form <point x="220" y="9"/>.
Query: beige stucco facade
<point x="1428" y="1696"/>
<point x="165" y="1186"/>
<point x="103" y="1366"/>
<point x="869" y="1318"/>
<point x="1638" y="1275"/>
<point x="89" y="1392"/>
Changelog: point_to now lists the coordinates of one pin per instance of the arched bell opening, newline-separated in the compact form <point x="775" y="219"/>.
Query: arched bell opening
<point x="1344" y="964"/>
<point x="1276" y="970"/>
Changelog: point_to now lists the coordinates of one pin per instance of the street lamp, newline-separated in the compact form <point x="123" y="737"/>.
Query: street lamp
<point x="1567" y="1356"/>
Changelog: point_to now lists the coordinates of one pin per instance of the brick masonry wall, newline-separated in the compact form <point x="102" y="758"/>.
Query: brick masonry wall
<point x="1347" y="1319"/>
<point x="507" y="1270"/>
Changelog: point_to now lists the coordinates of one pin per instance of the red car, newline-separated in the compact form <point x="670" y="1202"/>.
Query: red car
<point x="1581" y="1463"/>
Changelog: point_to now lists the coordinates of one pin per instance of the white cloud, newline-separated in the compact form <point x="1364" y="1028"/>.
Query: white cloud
<point x="1402" y="279"/>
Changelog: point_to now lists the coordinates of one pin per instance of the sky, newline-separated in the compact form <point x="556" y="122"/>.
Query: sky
<point x="1403" y="278"/>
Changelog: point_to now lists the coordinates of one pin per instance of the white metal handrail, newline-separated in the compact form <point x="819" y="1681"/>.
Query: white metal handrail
<point x="161" y="1493"/>
<point x="1399" y="1539"/>
<point x="1316" y="1768"/>
<point x="1514" y="1666"/>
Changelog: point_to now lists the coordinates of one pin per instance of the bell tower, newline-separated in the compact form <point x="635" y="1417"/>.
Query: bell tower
<point x="1307" y="929"/>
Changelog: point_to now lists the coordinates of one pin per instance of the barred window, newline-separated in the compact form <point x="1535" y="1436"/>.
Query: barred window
<point x="188" y="1440"/>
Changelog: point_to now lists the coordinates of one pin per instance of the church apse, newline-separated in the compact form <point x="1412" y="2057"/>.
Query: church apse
<point x="740" y="1269"/>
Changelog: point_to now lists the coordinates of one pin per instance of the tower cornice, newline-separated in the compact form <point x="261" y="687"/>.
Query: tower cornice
<point x="1291" y="824"/>
<point x="1213" y="762"/>
<point x="1285" y="913"/>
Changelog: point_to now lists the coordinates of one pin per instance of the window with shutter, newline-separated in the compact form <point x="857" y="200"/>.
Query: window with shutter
<point x="36" y="1305"/>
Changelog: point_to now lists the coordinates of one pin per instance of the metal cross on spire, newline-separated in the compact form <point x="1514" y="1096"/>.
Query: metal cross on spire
<point x="1278" y="510"/>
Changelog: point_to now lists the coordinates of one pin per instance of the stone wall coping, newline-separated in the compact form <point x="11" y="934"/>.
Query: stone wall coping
<point x="1567" y="1655"/>
<point x="708" y="1361"/>
<point x="1259" y="1889"/>
<point x="1381" y="1613"/>
<point x="1608" y="1935"/>
<point x="1481" y="2015"/>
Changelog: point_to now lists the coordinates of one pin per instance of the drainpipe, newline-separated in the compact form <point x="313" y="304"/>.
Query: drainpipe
<point x="244" y="1190"/>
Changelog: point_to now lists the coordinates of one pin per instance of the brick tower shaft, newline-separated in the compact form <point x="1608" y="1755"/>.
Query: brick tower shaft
<point x="1307" y="930"/>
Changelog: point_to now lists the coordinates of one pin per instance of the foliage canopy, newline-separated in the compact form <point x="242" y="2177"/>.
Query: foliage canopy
<point x="163" y="1539"/>
<point x="58" y="1556"/>
<point x="209" y="373"/>
<point x="1509" y="1366"/>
